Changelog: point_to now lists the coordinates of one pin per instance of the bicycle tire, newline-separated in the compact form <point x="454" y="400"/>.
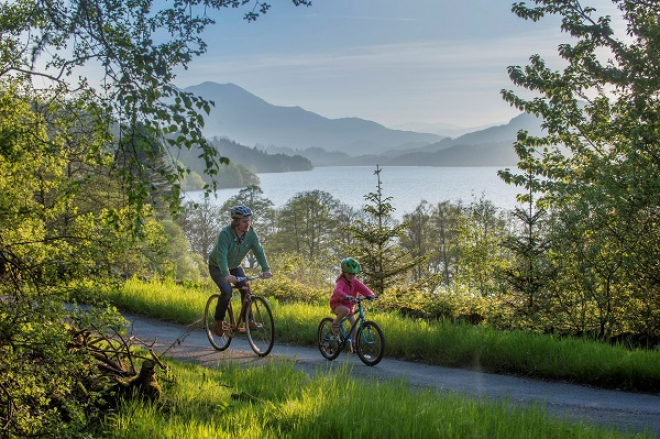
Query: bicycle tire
<point x="330" y="349"/>
<point x="262" y="336"/>
<point x="370" y="343"/>
<point x="218" y="343"/>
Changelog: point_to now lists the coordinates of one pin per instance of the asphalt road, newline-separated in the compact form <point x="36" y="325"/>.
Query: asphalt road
<point x="627" y="411"/>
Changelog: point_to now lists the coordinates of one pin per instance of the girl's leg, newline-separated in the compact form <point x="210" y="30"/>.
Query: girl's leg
<point x="351" y="319"/>
<point x="340" y="312"/>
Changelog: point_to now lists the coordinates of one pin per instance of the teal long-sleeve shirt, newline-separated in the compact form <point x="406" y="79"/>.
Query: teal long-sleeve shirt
<point x="229" y="253"/>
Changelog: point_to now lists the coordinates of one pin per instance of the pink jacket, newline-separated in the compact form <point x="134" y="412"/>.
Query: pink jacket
<point x="344" y="288"/>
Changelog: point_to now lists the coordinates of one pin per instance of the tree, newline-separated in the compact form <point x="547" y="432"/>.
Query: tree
<point x="447" y="220"/>
<point x="596" y="168"/>
<point x="77" y="167"/>
<point x="482" y="255"/>
<point x="532" y="270"/>
<point x="307" y="225"/>
<point x="376" y="243"/>
<point x="416" y="240"/>
<point x="138" y="47"/>
<point x="201" y="224"/>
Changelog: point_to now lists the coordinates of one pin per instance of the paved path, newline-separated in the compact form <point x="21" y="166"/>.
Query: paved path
<point x="628" y="411"/>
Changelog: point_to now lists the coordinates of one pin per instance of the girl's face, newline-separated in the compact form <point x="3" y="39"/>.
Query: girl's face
<point x="349" y="276"/>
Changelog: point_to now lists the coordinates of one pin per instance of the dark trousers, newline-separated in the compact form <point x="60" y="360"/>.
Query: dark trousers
<point x="225" y="289"/>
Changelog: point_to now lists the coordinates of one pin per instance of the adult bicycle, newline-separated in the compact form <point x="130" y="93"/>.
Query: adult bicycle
<point x="255" y="320"/>
<point x="369" y="341"/>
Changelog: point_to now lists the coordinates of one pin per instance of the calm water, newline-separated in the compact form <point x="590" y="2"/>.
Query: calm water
<point x="406" y="185"/>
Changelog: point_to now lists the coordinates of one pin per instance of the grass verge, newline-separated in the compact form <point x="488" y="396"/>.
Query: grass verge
<point x="275" y="401"/>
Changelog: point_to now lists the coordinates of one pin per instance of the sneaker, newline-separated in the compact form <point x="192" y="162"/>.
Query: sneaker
<point x="333" y="336"/>
<point x="218" y="328"/>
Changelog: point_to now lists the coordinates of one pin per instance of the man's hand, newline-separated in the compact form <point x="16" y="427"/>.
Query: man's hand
<point x="230" y="278"/>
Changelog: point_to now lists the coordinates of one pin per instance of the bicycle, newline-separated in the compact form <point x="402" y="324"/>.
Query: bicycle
<point x="369" y="340"/>
<point x="259" y="327"/>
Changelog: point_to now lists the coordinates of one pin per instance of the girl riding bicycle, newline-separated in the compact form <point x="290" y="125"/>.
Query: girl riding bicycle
<point x="346" y="289"/>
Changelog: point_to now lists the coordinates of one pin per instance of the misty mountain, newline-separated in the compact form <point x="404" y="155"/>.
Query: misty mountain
<point x="441" y="129"/>
<point x="496" y="134"/>
<point x="488" y="147"/>
<point x="249" y="120"/>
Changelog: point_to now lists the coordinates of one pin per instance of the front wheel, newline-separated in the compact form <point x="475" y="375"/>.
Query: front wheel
<point x="370" y="343"/>
<point x="219" y="343"/>
<point x="329" y="346"/>
<point x="261" y="328"/>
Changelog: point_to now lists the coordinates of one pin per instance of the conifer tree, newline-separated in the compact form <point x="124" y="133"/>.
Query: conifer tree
<point x="376" y="243"/>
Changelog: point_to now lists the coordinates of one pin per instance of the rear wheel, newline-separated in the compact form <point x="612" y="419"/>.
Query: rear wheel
<point x="218" y="342"/>
<point x="329" y="347"/>
<point x="370" y="343"/>
<point x="261" y="329"/>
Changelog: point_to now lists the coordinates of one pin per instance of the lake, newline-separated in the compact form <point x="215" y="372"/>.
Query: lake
<point x="406" y="185"/>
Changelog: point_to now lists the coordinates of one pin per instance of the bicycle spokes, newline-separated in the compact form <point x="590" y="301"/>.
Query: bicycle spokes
<point x="260" y="327"/>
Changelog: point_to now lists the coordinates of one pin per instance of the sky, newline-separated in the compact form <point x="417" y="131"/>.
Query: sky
<point x="401" y="64"/>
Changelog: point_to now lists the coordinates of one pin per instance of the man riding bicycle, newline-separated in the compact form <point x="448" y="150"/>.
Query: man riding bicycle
<point x="234" y="242"/>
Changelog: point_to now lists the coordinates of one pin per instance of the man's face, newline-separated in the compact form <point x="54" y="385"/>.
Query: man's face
<point x="244" y="224"/>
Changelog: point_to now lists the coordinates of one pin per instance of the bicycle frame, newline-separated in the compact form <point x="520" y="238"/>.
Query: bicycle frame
<point x="255" y="319"/>
<point x="369" y="343"/>
<point x="246" y="299"/>
<point x="346" y="334"/>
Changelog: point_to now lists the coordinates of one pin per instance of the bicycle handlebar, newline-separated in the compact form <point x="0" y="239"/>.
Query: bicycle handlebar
<point x="249" y="278"/>
<point x="360" y="298"/>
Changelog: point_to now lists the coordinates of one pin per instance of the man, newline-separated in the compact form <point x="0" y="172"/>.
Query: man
<point x="234" y="242"/>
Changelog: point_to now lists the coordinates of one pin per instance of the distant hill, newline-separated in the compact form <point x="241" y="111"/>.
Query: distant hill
<point x="496" y="134"/>
<point x="249" y="120"/>
<point x="292" y="131"/>
<point x="489" y="147"/>
<point x="244" y="163"/>
<point x="441" y="129"/>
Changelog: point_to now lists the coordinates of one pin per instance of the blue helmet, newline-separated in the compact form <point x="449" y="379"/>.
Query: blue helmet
<point x="238" y="212"/>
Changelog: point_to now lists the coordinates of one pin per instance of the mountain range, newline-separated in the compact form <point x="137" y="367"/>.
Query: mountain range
<point x="249" y="120"/>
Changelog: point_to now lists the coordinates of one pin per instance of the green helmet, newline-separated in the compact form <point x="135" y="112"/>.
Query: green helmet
<point x="350" y="265"/>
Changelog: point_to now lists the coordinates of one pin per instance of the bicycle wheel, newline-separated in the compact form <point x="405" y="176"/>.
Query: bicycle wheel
<point x="219" y="343"/>
<point x="328" y="347"/>
<point x="370" y="343"/>
<point x="261" y="330"/>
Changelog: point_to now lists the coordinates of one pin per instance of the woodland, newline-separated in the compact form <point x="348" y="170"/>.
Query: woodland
<point x="91" y="194"/>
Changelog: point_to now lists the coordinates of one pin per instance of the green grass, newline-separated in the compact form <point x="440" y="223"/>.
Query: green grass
<point x="290" y="404"/>
<point x="436" y="342"/>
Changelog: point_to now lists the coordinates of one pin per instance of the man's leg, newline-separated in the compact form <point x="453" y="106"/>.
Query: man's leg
<point x="223" y="301"/>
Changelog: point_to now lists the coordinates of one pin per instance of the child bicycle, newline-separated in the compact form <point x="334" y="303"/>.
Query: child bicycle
<point x="255" y="320"/>
<point x="369" y="341"/>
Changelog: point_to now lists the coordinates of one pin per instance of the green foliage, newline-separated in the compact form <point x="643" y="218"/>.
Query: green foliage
<point x="375" y="244"/>
<point x="84" y="178"/>
<point x="307" y="225"/>
<point x="595" y="169"/>
<point x="201" y="225"/>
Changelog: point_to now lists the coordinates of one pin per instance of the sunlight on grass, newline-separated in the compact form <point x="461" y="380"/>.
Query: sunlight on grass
<point x="435" y="342"/>
<point x="283" y="403"/>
